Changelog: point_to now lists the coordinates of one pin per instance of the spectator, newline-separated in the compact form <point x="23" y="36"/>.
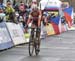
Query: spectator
<point x="10" y="16"/>
<point x="16" y="5"/>
<point x="2" y="5"/>
<point x="23" y="13"/>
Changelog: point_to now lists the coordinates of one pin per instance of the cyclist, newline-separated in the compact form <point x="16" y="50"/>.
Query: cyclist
<point x="35" y="17"/>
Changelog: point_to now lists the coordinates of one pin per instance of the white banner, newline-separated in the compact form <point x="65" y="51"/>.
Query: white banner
<point x="16" y="33"/>
<point x="49" y="3"/>
<point x="5" y="39"/>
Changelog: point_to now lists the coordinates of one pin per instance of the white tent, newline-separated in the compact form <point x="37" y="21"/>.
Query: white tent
<point x="49" y="3"/>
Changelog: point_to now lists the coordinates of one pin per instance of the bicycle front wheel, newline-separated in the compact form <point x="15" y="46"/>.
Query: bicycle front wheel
<point x="36" y="50"/>
<point x="31" y="47"/>
<point x="37" y="44"/>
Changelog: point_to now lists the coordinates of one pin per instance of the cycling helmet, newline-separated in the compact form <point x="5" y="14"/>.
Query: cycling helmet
<point x="34" y="7"/>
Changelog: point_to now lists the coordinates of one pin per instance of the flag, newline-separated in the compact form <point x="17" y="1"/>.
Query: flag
<point x="68" y="15"/>
<point x="55" y="23"/>
<point x="55" y="19"/>
<point x="56" y="28"/>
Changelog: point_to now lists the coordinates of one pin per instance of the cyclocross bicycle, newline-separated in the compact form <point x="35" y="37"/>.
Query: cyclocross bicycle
<point x="34" y="42"/>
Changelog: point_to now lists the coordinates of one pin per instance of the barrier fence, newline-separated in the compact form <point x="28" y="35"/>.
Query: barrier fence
<point x="5" y="39"/>
<point x="12" y="34"/>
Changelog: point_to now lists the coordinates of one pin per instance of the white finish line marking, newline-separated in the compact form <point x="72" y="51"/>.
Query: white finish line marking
<point x="50" y="59"/>
<point x="56" y="47"/>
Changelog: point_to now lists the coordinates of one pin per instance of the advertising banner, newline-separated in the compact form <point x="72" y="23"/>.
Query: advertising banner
<point x="5" y="39"/>
<point x="49" y="4"/>
<point x="50" y="30"/>
<point x="16" y="33"/>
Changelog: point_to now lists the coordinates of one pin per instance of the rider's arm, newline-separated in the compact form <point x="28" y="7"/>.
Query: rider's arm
<point x="29" y="19"/>
<point x="39" y="19"/>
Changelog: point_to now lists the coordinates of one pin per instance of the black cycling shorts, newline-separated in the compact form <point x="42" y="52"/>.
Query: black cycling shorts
<point x="35" y="22"/>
